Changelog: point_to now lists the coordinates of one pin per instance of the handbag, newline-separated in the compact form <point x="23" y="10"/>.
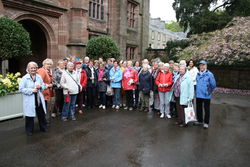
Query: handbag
<point x="110" y="91"/>
<point x="190" y="113"/>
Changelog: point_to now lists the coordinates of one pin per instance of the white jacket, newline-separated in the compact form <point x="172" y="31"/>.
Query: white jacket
<point x="70" y="83"/>
<point x="193" y="73"/>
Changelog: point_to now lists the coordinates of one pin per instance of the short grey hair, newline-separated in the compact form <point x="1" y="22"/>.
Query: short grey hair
<point x="48" y="61"/>
<point x="70" y="64"/>
<point x="29" y="64"/>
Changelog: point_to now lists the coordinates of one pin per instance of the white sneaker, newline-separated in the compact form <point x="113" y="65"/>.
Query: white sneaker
<point x="205" y="126"/>
<point x="162" y="116"/>
<point x="53" y="115"/>
<point x="168" y="116"/>
<point x="100" y="106"/>
<point x="117" y="107"/>
<point x="103" y="107"/>
<point x="113" y="106"/>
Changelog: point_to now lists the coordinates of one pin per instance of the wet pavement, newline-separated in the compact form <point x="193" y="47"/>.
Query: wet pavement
<point x="133" y="139"/>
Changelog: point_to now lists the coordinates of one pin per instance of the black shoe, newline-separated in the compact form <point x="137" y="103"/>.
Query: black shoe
<point x="29" y="133"/>
<point x="45" y="130"/>
<point x="183" y="125"/>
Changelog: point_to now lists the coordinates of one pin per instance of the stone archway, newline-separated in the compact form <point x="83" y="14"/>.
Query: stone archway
<point x="42" y="39"/>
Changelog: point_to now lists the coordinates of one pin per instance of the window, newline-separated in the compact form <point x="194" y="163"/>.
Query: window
<point x="96" y="9"/>
<point x="153" y="35"/>
<point x="130" y="52"/>
<point x="159" y="36"/>
<point x="131" y="14"/>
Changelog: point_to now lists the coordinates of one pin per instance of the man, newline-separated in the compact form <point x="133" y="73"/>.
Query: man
<point x="205" y="86"/>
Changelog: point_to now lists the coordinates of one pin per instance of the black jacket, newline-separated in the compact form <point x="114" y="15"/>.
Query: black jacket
<point x="145" y="82"/>
<point x="89" y="81"/>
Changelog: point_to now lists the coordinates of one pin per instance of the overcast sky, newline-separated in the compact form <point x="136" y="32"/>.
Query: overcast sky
<point x="162" y="9"/>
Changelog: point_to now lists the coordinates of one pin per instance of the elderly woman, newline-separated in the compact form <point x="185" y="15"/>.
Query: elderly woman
<point x="102" y="84"/>
<point x="164" y="81"/>
<point x="71" y="87"/>
<point x="57" y="75"/>
<point x="31" y="86"/>
<point x="129" y="81"/>
<point x="183" y="93"/>
<point x="145" y="86"/>
<point x="46" y="74"/>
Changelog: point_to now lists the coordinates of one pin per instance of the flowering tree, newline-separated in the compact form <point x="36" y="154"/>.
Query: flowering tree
<point x="9" y="83"/>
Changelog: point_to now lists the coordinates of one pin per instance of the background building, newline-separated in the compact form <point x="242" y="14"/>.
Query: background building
<point x="158" y="35"/>
<point x="61" y="29"/>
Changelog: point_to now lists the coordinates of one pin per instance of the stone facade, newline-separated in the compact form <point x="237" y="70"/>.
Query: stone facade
<point x="159" y="36"/>
<point x="67" y="24"/>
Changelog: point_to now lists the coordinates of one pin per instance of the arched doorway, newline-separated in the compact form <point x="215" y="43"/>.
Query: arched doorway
<point x="39" y="46"/>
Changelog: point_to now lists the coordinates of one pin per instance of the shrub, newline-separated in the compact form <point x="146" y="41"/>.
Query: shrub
<point x="103" y="47"/>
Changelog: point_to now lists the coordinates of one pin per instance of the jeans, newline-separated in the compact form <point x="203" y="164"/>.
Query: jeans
<point x="164" y="102"/>
<point x="103" y="98"/>
<point x="69" y="107"/>
<point x="116" y="97"/>
<point x="199" y="108"/>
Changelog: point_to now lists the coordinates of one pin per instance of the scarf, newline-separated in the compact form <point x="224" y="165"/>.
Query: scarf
<point x="100" y="76"/>
<point x="128" y="72"/>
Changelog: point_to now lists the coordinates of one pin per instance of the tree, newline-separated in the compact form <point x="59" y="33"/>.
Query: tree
<point x="103" y="47"/>
<point x="199" y="16"/>
<point x="174" y="26"/>
<point x="14" y="39"/>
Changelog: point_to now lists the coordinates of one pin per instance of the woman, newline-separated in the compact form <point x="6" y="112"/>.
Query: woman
<point x="102" y="85"/>
<point x="92" y="84"/>
<point x="183" y="93"/>
<point x="173" y="109"/>
<point x="138" y="68"/>
<point x="81" y="74"/>
<point x="71" y="87"/>
<point x="156" y="68"/>
<point x="129" y="81"/>
<point x="46" y="74"/>
<point x="123" y="66"/>
<point x="57" y="75"/>
<point x="164" y="81"/>
<point x="115" y="76"/>
<point x="145" y="86"/>
<point x="31" y="86"/>
<point x="193" y="71"/>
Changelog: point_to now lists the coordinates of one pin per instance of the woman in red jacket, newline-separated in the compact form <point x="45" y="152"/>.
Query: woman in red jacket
<point x="164" y="82"/>
<point x="129" y="80"/>
<point x="83" y="81"/>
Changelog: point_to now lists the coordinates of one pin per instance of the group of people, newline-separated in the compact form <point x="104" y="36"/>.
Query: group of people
<point x="166" y="88"/>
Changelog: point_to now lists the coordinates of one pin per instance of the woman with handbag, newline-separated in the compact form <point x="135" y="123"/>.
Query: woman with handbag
<point x="183" y="92"/>
<point x="145" y="87"/>
<point x="102" y="85"/>
<point x="71" y="87"/>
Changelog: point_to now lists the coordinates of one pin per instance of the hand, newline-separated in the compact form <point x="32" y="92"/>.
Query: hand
<point x="104" y="79"/>
<point x="35" y="90"/>
<point x="50" y="85"/>
<point x="166" y="85"/>
<point x="38" y="86"/>
<point x="160" y="85"/>
<point x="91" y="78"/>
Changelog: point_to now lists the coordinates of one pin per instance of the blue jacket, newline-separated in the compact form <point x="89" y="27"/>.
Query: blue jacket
<point x="115" y="74"/>
<point x="187" y="88"/>
<point x="145" y="82"/>
<point x="205" y="85"/>
<point x="26" y="87"/>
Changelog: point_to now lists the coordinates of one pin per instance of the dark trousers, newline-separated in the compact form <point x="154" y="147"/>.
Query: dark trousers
<point x="29" y="121"/>
<point x="129" y="98"/>
<point x="59" y="101"/>
<point x="102" y="98"/>
<point x="180" y="110"/>
<point x="173" y="109"/>
<point x="136" y="97"/>
<point x="91" y="96"/>
<point x="200" y="103"/>
<point x="80" y="101"/>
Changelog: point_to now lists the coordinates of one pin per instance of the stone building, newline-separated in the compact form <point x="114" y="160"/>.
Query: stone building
<point x="158" y="35"/>
<point x="62" y="28"/>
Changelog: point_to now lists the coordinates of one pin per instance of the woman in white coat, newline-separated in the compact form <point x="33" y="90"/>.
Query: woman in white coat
<point x="31" y="86"/>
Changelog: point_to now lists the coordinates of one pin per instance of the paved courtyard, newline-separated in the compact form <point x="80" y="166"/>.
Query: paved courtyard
<point x="133" y="139"/>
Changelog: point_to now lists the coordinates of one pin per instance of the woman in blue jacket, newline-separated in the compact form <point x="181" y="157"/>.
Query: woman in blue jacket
<point x="183" y="91"/>
<point x="205" y="85"/>
<point x="31" y="86"/>
<point x="115" y="76"/>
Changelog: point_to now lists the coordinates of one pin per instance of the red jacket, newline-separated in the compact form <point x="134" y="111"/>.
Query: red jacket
<point x="164" y="78"/>
<point x="127" y="75"/>
<point x="84" y="78"/>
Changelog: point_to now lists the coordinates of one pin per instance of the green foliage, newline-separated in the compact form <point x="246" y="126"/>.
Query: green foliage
<point x="197" y="16"/>
<point x="102" y="47"/>
<point x="174" y="26"/>
<point x="174" y="46"/>
<point x="14" y="39"/>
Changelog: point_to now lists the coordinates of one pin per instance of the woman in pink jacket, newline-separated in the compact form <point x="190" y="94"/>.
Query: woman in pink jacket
<point x="129" y="80"/>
